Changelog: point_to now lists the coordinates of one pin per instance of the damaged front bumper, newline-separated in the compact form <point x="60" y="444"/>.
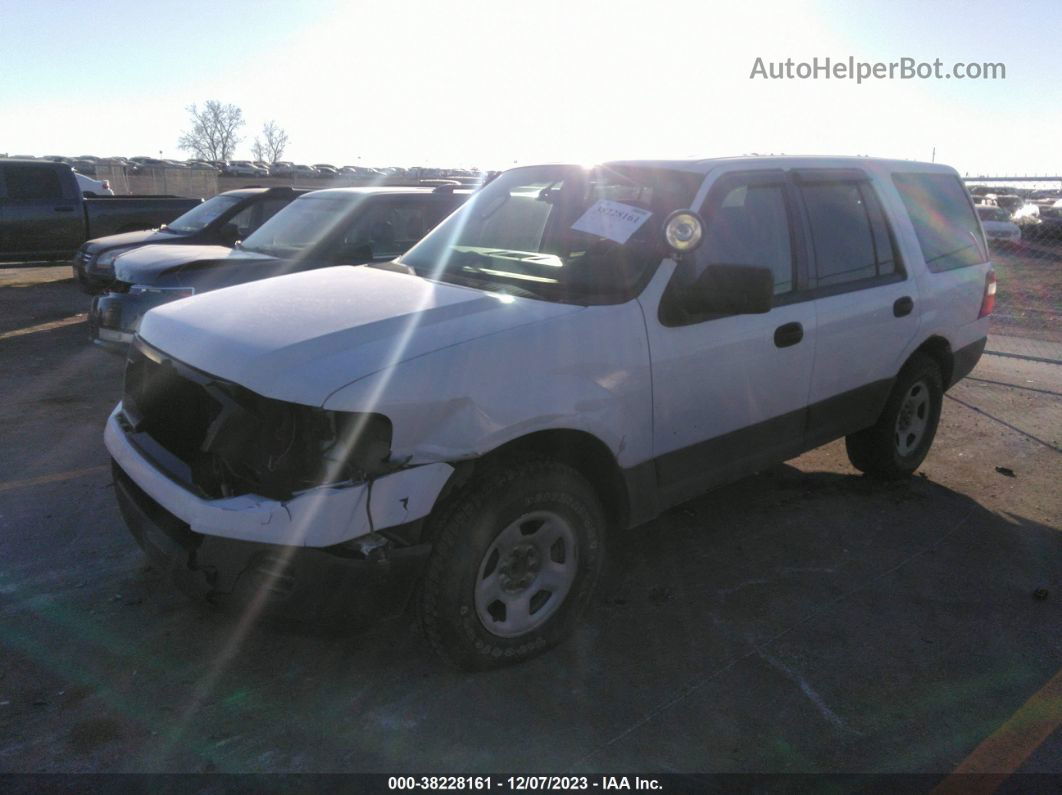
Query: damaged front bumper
<point x="353" y="583"/>
<point x="318" y="552"/>
<point x="319" y="517"/>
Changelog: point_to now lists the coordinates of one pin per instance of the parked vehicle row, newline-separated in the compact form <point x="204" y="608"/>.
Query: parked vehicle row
<point x="998" y="226"/>
<point x="572" y="351"/>
<point x="1038" y="213"/>
<point x="283" y="233"/>
<point x="87" y="165"/>
<point x="44" y="213"/>
<point x="1038" y="216"/>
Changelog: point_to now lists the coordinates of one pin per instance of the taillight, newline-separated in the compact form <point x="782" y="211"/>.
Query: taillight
<point x="106" y="184"/>
<point x="988" y="303"/>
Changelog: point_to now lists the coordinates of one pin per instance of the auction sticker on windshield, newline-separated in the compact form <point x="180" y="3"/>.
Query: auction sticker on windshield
<point x="612" y="220"/>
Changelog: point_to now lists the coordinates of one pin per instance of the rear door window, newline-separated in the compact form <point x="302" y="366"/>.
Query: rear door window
<point x="943" y="219"/>
<point x="254" y="215"/>
<point x="849" y="235"/>
<point x="268" y="208"/>
<point x="392" y="227"/>
<point x="244" y="221"/>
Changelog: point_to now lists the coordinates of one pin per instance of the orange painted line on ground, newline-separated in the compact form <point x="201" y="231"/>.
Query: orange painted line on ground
<point x="1006" y="749"/>
<point x="66" y="321"/>
<point x="10" y="485"/>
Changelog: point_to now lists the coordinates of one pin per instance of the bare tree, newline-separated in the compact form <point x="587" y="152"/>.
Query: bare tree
<point x="213" y="134"/>
<point x="259" y="152"/>
<point x="272" y="148"/>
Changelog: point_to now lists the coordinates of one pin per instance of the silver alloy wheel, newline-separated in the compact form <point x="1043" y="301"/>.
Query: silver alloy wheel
<point x="912" y="419"/>
<point x="526" y="573"/>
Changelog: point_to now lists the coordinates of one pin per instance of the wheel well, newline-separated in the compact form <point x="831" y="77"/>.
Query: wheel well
<point x="939" y="350"/>
<point x="578" y="449"/>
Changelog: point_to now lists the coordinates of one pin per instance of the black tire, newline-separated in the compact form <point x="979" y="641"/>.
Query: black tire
<point x="889" y="449"/>
<point x="505" y="501"/>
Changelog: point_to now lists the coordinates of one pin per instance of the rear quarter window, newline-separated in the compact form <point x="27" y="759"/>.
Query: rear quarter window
<point x="944" y="221"/>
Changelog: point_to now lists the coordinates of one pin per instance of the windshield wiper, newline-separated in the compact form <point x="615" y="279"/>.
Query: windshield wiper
<point x="477" y="282"/>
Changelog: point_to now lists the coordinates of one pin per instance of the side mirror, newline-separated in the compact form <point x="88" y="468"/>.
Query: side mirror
<point x="730" y="290"/>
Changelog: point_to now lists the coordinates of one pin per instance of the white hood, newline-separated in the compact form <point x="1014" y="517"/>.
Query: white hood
<point x="302" y="336"/>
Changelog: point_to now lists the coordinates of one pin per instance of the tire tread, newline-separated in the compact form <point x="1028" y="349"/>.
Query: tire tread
<point x="872" y="450"/>
<point x="454" y="519"/>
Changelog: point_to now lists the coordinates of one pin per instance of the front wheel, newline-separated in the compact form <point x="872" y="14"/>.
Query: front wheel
<point x="516" y="558"/>
<point x="898" y="442"/>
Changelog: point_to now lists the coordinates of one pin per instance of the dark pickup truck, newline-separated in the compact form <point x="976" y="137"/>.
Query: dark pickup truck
<point x="43" y="214"/>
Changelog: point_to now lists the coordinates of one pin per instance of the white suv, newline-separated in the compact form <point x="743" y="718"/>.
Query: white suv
<point x="573" y="350"/>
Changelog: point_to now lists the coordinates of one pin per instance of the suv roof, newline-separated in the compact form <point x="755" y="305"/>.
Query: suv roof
<point x="32" y="161"/>
<point x="703" y="166"/>
<point x="280" y="190"/>
<point x="390" y="191"/>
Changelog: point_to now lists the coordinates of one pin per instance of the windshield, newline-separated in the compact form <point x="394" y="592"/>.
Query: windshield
<point x="559" y="233"/>
<point x="301" y="225"/>
<point x="202" y="214"/>
<point x="993" y="214"/>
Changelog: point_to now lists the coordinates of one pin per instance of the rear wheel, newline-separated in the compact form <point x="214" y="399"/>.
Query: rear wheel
<point x="898" y="442"/>
<point x="515" y="560"/>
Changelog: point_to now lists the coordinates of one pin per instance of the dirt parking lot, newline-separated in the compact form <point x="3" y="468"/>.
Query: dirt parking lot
<point x="804" y="620"/>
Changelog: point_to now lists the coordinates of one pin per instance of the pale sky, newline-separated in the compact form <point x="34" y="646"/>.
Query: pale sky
<point x="492" y="83"/>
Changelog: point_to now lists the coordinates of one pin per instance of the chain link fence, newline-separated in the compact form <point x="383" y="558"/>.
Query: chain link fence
<point x="189" y="182"/>
<point x="1024" y="230"/>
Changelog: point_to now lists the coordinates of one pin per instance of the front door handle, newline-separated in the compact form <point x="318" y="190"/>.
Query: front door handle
<point x="903" y="306"/>
<point x="788" y="334"/>
<point x="64" y="209"/>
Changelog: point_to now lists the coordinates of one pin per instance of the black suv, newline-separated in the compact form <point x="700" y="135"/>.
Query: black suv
<point x="222" y="220"/>
<point x="340" y="226"/>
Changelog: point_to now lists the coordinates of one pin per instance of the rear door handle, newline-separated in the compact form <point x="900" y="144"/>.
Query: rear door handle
<point x="788" y="334"/>
<point x="64" y="209"/>
<point x="903" y="306"/>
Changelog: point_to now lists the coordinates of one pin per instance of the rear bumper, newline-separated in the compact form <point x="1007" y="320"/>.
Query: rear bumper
<point x="286" y="581"/>
<point x="966" y="359"/>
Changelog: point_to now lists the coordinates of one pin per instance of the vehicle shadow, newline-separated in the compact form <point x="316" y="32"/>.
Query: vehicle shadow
<point x="792" y="621"/>
<point x="707" y="619"/>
